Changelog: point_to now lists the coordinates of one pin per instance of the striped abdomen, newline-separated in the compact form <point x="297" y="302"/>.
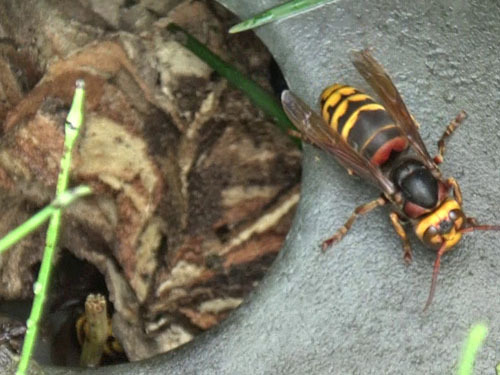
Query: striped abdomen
<point x="362" y="122"/>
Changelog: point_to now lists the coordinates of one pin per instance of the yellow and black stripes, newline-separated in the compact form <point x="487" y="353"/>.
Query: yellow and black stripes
<point x="362" y="122"/>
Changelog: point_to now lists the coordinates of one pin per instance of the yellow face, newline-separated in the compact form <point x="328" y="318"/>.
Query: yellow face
<point x="442" y="225"/>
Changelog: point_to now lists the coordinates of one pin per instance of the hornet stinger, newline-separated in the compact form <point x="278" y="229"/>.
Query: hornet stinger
<point x="383" y="145"/>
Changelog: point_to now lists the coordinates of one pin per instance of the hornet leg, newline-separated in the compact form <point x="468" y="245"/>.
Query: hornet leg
<point x="453" y="125"/>
<point x="451" y="182"/>
<point x="471" y="222"/>
<point x="400" y="230"/>
<point x="360" y="210"/>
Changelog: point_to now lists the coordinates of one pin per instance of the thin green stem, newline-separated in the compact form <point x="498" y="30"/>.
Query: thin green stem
<point x="260" y="97"/>
<point x="65" y="199"/>
<point x="281" y="12"/>
<point x="72" y="128"/>
<point x="477" y="334"/>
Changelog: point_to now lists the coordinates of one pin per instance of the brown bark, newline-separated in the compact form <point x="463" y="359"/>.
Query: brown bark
<point x="195" y="189"/>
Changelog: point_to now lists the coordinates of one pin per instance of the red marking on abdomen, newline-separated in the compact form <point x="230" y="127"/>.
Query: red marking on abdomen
<point x="397" y="144"/>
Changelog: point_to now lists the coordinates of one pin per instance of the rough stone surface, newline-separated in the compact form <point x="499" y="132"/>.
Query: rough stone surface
<point x="357" y="309"/>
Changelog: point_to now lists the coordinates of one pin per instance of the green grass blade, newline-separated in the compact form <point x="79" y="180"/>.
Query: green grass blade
<point x="72" y="128"/>
<point x="281" y="12"/>
<point x="477" y="334"/>
<point x="260" y="97"/>
<point x="65" y="199"/>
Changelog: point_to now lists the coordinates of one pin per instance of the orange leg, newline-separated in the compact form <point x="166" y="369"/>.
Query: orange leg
<point x="471" y="222"/>
<point x="360" y="210"/>
<point x="451" y="182"/>
<point x="453" y="125"/>
<point x="400" y="230"/>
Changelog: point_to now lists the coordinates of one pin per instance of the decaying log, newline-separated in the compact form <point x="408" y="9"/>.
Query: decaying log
<point x="194" y="188"/>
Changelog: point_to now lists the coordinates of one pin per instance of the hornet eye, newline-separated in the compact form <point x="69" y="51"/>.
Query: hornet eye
<point x="453" y="215"/>
<point x="432" y="237"/>
<point x="458" y="218"/>
<point x="431" y="231"/>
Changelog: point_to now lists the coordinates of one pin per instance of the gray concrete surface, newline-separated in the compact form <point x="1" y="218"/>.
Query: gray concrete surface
<point x="357" y="309"/>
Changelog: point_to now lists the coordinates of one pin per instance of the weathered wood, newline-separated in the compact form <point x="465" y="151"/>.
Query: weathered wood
<point x="195" y="188"/>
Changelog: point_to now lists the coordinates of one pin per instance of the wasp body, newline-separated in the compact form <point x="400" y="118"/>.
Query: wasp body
<point x="364" y="124"/>
<point x="382" y="144"/>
